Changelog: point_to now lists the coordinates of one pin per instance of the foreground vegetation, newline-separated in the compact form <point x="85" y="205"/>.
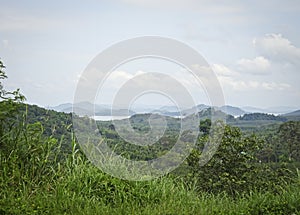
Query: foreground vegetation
<point x="34" y="180"/>
<point x="42" y="170"/>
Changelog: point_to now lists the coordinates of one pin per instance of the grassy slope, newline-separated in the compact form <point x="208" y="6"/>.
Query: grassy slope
<point x="80" y="188"/>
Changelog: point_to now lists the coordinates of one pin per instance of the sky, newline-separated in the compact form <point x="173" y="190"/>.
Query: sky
<point x="252" y="46"/>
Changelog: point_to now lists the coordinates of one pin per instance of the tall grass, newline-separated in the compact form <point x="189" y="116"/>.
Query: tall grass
<point x="35" y="178"/>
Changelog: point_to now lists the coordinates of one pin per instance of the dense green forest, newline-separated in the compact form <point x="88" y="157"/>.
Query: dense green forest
<point x="42" y="170"/>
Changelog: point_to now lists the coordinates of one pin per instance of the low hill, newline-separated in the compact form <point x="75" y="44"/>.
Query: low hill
<point x="294" y="113"/>
<point x="234" y="111"/>
<point x="261" y="116"/>
<point x="293" y="116"/>
<point x="55" y="124"/>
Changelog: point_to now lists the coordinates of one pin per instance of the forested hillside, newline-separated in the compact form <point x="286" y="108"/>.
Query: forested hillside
<point x="43" y="170"/>
<point x="36" y="178"/>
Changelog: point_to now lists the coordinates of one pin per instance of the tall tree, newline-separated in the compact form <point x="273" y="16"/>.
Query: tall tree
<point x="289" y="134"/>
<point x="232" y="167"/>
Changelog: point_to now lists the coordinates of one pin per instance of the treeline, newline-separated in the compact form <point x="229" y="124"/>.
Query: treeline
<point x="54" y="124"/>
<point x="262" y="116"/>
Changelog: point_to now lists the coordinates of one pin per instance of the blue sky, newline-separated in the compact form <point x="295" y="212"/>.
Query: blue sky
<point x="253" y="46"/>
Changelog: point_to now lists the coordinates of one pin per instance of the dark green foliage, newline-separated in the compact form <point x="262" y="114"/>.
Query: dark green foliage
<point x="209" y="112"/>
<point x="205" y="126"/>
<point x="289" y="139"/>
<point x="141" y="125"/>
<point x="281" y="144"/>
<point x="262" y="116"/>
<point x="55" y="124"/>
<point x="235" y="167"/>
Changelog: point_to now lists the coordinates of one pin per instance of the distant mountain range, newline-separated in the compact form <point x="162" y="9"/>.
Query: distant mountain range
<point x="87" y="108"/>
<point x="273" y="110"/>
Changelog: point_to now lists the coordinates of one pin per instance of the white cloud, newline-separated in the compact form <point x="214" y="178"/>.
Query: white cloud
<point x="278" y="48"/>
<point x="238" y="85"/>
<point x="250" y="85"/>
<point x="258" y="65"/>
<point x="275" y="86"/>
<point x="222" y="70"/>
<point x="118" y="78"/>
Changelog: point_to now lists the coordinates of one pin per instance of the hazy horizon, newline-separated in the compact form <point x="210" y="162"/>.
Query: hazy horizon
<point x="226" y="104"/>
<point x="169" y="106"/>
